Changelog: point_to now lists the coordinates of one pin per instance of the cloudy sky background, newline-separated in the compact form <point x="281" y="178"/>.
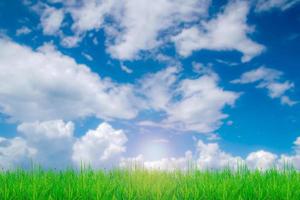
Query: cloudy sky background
<point x="160" y="83"/>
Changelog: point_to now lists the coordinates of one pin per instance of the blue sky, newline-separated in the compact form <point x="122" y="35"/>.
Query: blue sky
<point x="160" y="83"/>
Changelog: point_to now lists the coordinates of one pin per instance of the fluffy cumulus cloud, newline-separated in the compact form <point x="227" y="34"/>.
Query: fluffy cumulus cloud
<point x="227" y="31"/>
<point x="186" y="23"/>
<point x="44" y="84"/>
<point x="189" y="104"/>
<point x="270" y="79"/>
<point x="52" y="144"/>
<point x="88" y="15"/>
<point x="100" y="147"/>
<point x="264" y="160"/>
<point x="266" y="5"/>
<point x="261" y="160"/>
<point x="201" y="104"/>
<point x="52" y="141"/>
<point x="210" y="156"/>
<point x="127" y="19"/>
<point x="15" y="153"/>
<point x="150" y="18"/>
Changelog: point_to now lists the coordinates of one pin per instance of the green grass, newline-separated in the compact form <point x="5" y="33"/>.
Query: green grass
<point x="143" y="184"/>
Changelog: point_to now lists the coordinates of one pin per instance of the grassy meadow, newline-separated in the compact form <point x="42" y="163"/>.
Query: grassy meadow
<point x="143" y="184"/>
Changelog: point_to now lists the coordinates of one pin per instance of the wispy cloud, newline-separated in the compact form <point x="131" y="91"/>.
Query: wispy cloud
<point x="271" y="80"/>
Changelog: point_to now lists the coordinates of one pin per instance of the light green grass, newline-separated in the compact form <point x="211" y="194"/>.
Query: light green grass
<point x="142" y="184"/>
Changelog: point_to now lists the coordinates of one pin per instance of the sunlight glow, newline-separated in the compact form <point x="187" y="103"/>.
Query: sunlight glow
<point x="154" y="150"/>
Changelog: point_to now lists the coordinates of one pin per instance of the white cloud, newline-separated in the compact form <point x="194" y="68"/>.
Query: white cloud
<point x="291" y="160"/>
<point x="157" y="87"/>
<point x="286" y="100"/>
<point x="149" y="18"/>
<point x="228" y="31"/>
<point x="87" y="56"/>
<point x="14" y="153"/>
<point x="200" y="68"/>
<point x="165" y="164"/>
<point x="88" y="15"/>
<point x="261" y="73"/>
<point x="127" y="20"/>
<point x="23" y="31"/>
<point x="51" y="20"/>
<point x="170" y="60"/>
<point x="126" y="69"/>
<point x="271" y="80"/>
<point x="277" y="89"/>
<point x="266" y="5"/>
<point x="52" y="141"/>
<point x="210" y="156"/>
<point x="95" y="41"/>
<point x="189" y="104"/>
<point x="213" y="137"/>
<point x="171" y="164"/>
<point x="201" y="105"/>
<point x="207" y="156"/>
<point x="261" y="160"/>
<point x="70" y="41"/>
<point x="36" y="131"/>
<point x="297" y="143"/>
<point x="132" y="162"/>
<point x="100" y="148"/>
<point x="124" y="21"/>
<point x="227" y="62"/>
<point x="44" y="84"/>
<point x="52" y="144"/>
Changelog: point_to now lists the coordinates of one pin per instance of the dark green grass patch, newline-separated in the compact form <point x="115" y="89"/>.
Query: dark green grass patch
<point x="142" y="184"/>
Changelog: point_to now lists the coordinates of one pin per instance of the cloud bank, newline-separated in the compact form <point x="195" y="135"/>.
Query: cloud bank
<point x="52" y="144"/>
<point x="187" y="24"/>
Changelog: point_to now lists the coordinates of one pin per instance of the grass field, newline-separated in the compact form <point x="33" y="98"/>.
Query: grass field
<point x="143" y="184"/>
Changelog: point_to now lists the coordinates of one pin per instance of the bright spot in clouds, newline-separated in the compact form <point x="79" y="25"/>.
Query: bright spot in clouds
<point x="154" y="149"/>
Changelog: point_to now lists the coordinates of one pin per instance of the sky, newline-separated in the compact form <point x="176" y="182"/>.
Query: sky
<point x="160" y="83"/>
